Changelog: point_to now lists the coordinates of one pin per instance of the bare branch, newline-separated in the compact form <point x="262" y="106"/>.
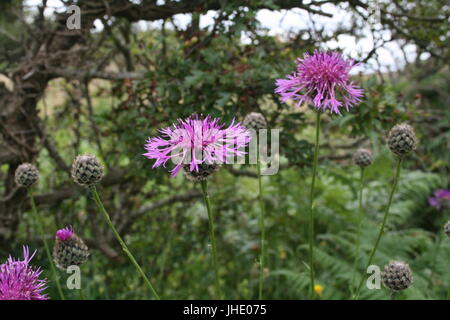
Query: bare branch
<point x="88" y="74"/>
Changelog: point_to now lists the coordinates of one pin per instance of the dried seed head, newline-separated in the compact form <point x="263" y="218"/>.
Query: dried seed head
<point x="87" y="170"/>
<point x="69" y="249"/>
<point x="26" y="175"/>
<point x="402" y="139"/>
<point x="447" y="229"/>
<point x="363" y="158"/>
<point x="397" y="276"/>
<point x="255" y="121"/>
<point x="204" y="171"/>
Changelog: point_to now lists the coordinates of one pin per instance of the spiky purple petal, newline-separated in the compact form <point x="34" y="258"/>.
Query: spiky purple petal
<point x="197" y="140"/>
<point x="64" y="234"/>
<point x="321" y="79"/>
<point x="20" y="281"/>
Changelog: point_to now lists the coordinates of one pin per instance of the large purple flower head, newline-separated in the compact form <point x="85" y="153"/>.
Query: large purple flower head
<point x="20" y="281"/>
<point x="197" y="140"/>
<point x="321" y="79"/>
<point x="440" y="200"/>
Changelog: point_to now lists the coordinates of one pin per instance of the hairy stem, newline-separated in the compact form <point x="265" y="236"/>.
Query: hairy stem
<point x="393" y="295"/>
<point x="212" y="238"/>
<point x="448" y="292"/>
<point x="358" y="231"/>
<point x="47" y="249"/>
<point x="122" y="243"/>
<point x="440" y="238"/>
<point x="311" y="209"/>
<point x="262" y="228"/>
<point x="383" y="224"/>
<point x="81" y="294"/>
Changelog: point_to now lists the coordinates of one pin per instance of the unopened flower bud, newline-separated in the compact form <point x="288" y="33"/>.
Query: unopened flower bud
<point x="255" y="121"/>
<point x="363" y="158"/>
<point x="87" y="170"/>
<point x="26" y="175"/>
<point x="402" y="139"/>
<point x="397" y="276"/>
<point x="69" y="249"/>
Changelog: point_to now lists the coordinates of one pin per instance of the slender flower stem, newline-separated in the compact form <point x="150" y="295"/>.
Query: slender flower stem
<point x="47" y="250"/>
<point x="393" y="295"/>
<point x="437" y="248"/>
<point x="81" y="294"/>
<point x="383" y="224"/>
<point x="311" y="209"/>
<point x="122" y="243"/>
<point x="358" y="231"/>
<point x="448" y="292"/>
<point x="262" y="228"/>
<point x="440" y="238"/>
<point x="436" y="253"/>
<point x="212" y="237"/>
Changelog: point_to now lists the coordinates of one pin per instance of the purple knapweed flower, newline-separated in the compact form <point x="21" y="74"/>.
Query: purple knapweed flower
<point x="64" y="234"/>
<point x="20" y="281"/>
<point x="197" y="140"/>
<point x="321" y="79"/>
<point x="440" y="200"/>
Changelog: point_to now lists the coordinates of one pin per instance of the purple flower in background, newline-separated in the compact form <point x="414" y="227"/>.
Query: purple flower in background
<point x="197" y="140"/>
<point x="20" y="281"/>
<point x="64" y="234"/>
<point x="440" y="200"/>
<point x="321" y="79"/>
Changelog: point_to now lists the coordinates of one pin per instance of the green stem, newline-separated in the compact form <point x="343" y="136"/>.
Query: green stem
<point x="262" y="228"/>
<point x="358" y="231"/>
<point x="383" y="224"/>
<point x="440" y="238"/>
<point x="47" y="250"/>
<point x="439" y="245"/>
<point x="448" y="292"/>
<point x="122" y="243"/>
<point x="212" y="237"/>
<point x="393" y="295"/>
<point x="436" y="252"/>
<point x="82" y="294"/>
<point x="311" y="209"/>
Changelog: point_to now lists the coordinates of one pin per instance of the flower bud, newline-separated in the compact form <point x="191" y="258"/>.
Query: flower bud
<point x="402" y="139"/>
<point x="255" y="121"/>
<point x="26" y="175"/>
<point x="363" y="158"/>
<point x="87" y="170"/>
<point x="204" y="171"/>
<point x="397" y="276"/>
<point x="69" y="249"/>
